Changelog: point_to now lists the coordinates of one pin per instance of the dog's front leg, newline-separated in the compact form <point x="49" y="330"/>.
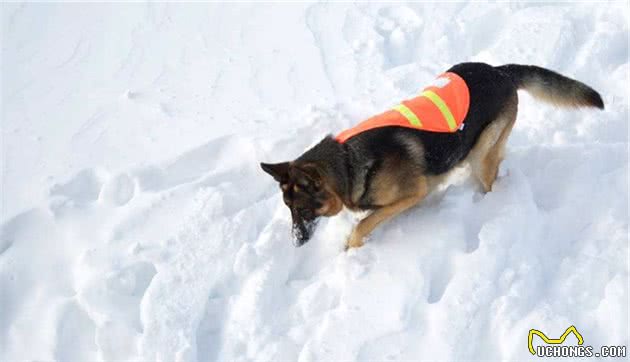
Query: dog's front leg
<point x="365" y="226"/>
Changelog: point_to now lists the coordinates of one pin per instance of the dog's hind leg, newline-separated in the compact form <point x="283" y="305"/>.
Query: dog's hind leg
<point x="386" y="212"/>
<point x="489" y="150"/>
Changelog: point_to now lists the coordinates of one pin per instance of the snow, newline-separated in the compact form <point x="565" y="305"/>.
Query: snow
<point x="137" y="224"/>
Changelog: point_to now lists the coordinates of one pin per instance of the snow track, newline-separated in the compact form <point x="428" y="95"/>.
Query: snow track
<point x="137" y="224"/>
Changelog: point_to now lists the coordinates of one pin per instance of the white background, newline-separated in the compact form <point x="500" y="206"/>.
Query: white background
<point x="137" y="225"/>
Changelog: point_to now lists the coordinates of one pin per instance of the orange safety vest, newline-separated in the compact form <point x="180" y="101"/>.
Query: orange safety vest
<point x="440" y="107"/>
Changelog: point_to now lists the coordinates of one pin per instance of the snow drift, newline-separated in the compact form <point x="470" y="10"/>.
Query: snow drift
<point x="138" y="226"/>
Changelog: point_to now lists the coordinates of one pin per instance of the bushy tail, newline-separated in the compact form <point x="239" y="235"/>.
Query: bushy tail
<point x="551" y="87"/>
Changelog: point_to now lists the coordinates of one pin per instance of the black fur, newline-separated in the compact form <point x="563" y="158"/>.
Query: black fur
<point x="442" y="151"/>
<point x="553" y="87"/>
<point x="349" y="168"/>
<point x="445" y="150"/>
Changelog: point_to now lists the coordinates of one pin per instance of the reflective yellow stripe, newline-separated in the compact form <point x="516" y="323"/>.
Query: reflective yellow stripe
<point x="446" y="112"/>
<point x="407" y="113"/>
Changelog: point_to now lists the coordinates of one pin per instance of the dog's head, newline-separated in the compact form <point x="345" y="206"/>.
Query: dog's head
<point x="307" y="192"/>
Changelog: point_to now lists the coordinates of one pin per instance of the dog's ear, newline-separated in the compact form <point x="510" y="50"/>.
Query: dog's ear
<point x="279" y="171"/>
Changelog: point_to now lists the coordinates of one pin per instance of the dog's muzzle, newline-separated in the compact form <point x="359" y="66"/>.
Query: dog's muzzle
<point x="302" y="231"/>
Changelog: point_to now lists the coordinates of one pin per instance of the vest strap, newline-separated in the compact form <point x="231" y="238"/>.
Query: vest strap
<point x="446" y="112"/>
<point x="407" y="113"/>
<point x="441" y="107"/>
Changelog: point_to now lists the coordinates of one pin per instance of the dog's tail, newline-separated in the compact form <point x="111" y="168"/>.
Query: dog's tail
<point x="551" y="87"/>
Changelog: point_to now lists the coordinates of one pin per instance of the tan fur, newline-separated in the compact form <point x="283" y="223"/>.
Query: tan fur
<point x="395" y="177"/>
<point x="395" y="196"/>
<point x="332" y="205"/>
<point x="574" y="98"/>
<point x="365" y="226"/>
<point x="386" y="184"/>
<point x="488" y="152"/>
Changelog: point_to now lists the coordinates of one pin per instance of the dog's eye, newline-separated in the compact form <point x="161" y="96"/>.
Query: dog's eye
<point x="309" y="187"/>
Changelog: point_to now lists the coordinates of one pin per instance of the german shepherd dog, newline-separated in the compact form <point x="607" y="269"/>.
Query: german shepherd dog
<point x="390" y="169"/>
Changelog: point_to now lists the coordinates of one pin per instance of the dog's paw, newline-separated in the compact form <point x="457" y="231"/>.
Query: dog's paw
<point x="354" y="241"/>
